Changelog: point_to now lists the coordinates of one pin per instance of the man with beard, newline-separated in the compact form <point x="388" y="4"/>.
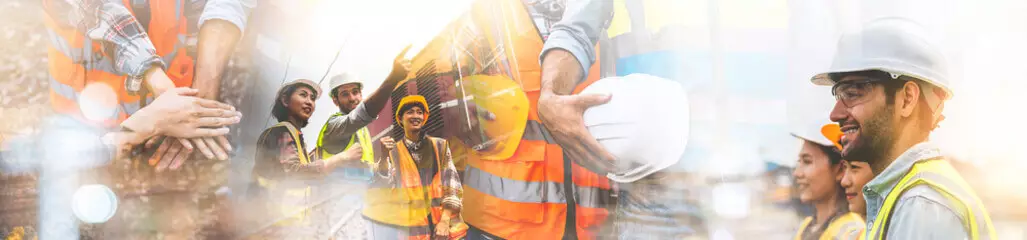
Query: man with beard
<point x="345" y="90"/>
<point x="889" y="81"/>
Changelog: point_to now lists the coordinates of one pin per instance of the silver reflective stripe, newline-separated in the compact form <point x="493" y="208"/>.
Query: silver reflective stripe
<point x="592" y="197"/>
<point x="535" y="131"/>
<point x="63" y="89"/>
<point x="513" y="190"/>
<point x="62" y="46"/>
<point x="965" y="197"/>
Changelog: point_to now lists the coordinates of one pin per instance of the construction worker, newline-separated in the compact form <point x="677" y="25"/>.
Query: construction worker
<point x="110" y="58"/>
<point x="524" y="185"/>
<point x="415" y="192"/>
<point x="890" y="82"/>
<point x="282" y="165"/>
<point x="818" y="175"/>
<point x="857" y="174"/>
<point x="345" y="90"/>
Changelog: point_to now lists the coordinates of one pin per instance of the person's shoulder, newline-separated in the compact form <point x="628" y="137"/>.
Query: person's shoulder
<point x="925" y="202"/>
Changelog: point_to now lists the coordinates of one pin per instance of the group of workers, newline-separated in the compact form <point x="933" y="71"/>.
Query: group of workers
<point x="875" y="162"/>
<point x="149" y="90"/>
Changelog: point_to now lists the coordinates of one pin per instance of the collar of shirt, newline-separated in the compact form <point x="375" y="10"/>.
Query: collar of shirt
<point x="878" y="188"/>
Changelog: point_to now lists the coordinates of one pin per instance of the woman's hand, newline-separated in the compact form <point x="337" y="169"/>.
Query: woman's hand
<point x="179" y="113"/>
<point x="442" y="230"/>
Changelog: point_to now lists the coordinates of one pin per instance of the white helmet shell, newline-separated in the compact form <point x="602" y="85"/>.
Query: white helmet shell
<point x="644" y="142"/>
<point x="343" y="79"/>
<point x="895" y="45"/>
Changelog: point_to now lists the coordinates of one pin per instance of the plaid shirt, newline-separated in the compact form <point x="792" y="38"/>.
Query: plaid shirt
<point x="122" y="37"/>
<point x="451" y="186"/>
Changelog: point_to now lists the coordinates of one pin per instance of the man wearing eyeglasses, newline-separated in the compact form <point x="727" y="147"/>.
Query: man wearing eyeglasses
<point x="890" y="84"/>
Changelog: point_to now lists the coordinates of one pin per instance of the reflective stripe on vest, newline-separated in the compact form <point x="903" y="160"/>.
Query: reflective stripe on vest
<point x="75" y="61"/>
<point x="940" y="176"/>
<point x="363" y="137"/>
<point x="406" y="203"/>
<point x="524" y="196"/>
<point x="290" y="197"/>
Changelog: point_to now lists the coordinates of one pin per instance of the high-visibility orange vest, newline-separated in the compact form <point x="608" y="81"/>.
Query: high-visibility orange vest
<point x="75" y="62"/>
<point x="523" y="196"/>
<point x="406" y="203"/>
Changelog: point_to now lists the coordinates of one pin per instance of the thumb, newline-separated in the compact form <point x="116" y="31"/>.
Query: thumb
<point x="591" y="100"/>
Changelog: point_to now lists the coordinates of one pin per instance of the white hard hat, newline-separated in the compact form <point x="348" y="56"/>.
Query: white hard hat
<point x="343" y="79"/>
<point x="643" y="141"/>
<point x="821" y="131"/>
<point x="895" y="45"/>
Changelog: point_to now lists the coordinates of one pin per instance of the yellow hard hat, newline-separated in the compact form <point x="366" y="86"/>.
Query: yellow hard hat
<point x="411" y="99"/>
<point x="505" y="99"/>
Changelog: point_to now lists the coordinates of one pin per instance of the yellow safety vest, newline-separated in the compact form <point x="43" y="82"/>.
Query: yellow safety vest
<point x="363" y="136"/>
<point x="939" y="175"/>
<point x="843" y="226"/>
<point x="290" y="198"/>
<point x="405" y="202"/>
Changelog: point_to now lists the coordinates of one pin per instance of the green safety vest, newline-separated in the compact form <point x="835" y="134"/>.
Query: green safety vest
<point x="939" y="175"/>
<point x="362" y="136"/>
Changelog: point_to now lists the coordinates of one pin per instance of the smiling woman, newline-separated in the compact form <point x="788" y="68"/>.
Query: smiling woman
<point x="818" y="175"/>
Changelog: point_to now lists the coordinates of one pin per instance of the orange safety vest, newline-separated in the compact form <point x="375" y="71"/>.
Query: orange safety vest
<point x="523" y="197"/>
<point x="404" y="204"/>
<point x="75" y="61"/>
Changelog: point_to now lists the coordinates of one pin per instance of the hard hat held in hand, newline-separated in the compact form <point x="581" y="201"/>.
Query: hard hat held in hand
<point x="895" y="45"/>
<point x="343" y="79"/>
<point x="645" y="124"/>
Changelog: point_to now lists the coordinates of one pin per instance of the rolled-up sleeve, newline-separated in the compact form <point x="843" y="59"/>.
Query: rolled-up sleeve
<point x="919" y="217"/>
<point x="578" y="31"/>
<point x="234" y="11"/>
<point x="113" y="25"/>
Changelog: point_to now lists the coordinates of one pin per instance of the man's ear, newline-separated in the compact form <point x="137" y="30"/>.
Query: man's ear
<point x="908" y="97"/>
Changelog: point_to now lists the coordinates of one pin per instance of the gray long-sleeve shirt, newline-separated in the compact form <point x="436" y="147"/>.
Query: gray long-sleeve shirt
<point x="921" y="212"/>
<point x="340" y="128"/>
<point x="578" y="30"/>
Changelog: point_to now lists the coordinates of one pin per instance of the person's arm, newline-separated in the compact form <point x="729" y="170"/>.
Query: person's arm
<point x="919" y="217"/>
<point x="289" y="157"/>
<point x="566" y="56"/>
<point x="570" y="49"/>
<point x="111" y="24"/>
<point x="221" y="26"/>
<point x="342" y="127"/>
<point x="451" y="188"/>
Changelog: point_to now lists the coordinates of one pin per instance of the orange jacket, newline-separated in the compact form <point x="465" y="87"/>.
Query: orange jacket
<point x="76" y="61"/>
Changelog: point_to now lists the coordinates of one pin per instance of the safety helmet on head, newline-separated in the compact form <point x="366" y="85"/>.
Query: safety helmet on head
<point x="898" y="46"/>
<point x="642" y="141"/>
<point x="311" y="84"/>
<point x="343" y="79"/>
<point x="411" y="99"/>
<point x="822" y="132"/>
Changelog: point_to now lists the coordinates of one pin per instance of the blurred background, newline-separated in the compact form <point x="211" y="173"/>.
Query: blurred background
<point x="746" y="66"/>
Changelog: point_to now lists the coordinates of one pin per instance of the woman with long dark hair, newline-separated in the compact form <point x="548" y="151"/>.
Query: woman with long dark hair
<point x="818" y="174"/>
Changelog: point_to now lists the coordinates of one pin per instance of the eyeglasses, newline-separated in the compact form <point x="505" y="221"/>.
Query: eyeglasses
<point x="852" y="93"/>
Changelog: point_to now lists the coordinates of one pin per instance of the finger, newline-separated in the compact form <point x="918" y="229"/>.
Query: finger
<point x="209" y="122"/>
<point x="225" y="144"/>
<point x="204" y="149"/>
<point x="219" y="152"/>
<point x="163" y="149"/>
<point x="182" y="156"/>
<point x="206" y="132"/>
<point x="215" y="112"/>
<point x="402" y="54"/>
<point x="207" y="103"/>
<point x="187" y="91"/>
<point x="152" y="141"/>
<point x="589" y="100"/>
<point x="169" y="156"/>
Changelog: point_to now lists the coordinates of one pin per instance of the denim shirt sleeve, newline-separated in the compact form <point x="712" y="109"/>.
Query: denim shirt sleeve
<point x="925" y="217"/>
<point x="579" y="29"/>
<point x="234" y="11"/>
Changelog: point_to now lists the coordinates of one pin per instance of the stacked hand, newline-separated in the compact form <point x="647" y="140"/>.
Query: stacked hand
<point x="180" y="121"/>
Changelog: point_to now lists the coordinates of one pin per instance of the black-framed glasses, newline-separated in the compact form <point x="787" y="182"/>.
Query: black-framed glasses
<point x="854" y="92"/>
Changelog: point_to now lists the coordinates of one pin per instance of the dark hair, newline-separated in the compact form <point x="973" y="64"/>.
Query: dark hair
<point x="891" y="87"/>
<point x="834" y="156"/>
<point x="279" y="111"/>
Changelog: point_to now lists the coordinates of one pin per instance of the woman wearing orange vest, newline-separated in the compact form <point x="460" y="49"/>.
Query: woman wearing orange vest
<point x="282" y="165"/>
<point x="415" y="193"/>
<point x="818" y="174"/>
